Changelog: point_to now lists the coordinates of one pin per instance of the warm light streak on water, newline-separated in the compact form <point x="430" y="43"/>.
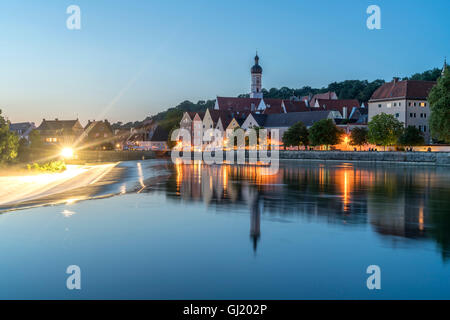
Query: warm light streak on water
<point x="309" y="231"/>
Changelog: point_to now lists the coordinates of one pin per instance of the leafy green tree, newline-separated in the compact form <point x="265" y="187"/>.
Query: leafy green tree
<point x="325" y="132"/>
<point x="296" y="135"/>
<point x="35" y="139"/>
<point x="439" y="99"/>
<point x="9" y="142"/>
<point x="429" y="75"/>
<point x="359" y="137"/>
<point x="411" y="136"/>
<point x="384" y="130"/>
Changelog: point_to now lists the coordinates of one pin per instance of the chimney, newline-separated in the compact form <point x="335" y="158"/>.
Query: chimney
<point x="344" y="111"/>
<point x="395" y="79"/>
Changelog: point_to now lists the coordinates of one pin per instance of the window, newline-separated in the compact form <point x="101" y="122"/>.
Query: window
<point x="399" y="104"/>
<point x="379" y="106"/>
<point x="414" y="115"/>
<point x="409" y="104"/>
<point x="424" y="115"/>
<point x="421" y="115"/>
<point x="420" y="128"/>
<point x="424" y="128"/>
<point x="423" y="104"/>
<point x="397" y="115"/>
<point x="395" y="104"/>
<point x="388" y="105"/>
<point x="415" y="104"/>
<point x="411" y="115"/>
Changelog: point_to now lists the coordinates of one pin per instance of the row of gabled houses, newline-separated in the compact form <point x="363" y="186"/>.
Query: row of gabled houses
<point x="230" y="113"/>
<point x="95" y="135"/>
<point x="406" y="100"/>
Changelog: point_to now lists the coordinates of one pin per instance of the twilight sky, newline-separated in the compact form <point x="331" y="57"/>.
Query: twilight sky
<point x="134" y="58"/>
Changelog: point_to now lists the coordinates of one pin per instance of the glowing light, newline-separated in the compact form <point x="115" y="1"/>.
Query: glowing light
<point x="72" y="201"/>
<point x="67" y="153"/>
<point x="346" y="139"/>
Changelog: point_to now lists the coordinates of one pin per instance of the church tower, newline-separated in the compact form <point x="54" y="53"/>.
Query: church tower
<point x="445" y="66"/>
<point x="256" y="72"/>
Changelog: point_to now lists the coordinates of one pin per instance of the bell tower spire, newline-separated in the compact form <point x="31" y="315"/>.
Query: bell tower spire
<point x="445" y="66"/>
<point x="256" y="72"/>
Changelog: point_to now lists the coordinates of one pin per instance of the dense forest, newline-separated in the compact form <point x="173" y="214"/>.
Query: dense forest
<point x="361" y="90"/>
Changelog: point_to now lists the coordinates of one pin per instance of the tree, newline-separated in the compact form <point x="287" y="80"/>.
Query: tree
<point x="358" y="137"/>
<point x="411" y="136"/>
<point x="324" y="132"/>
<point x="9" y="142"/>
<point x="429" y="75"/>
<point x="35" y="139"/>
<point x="439" y="99"/>
<point x="296" y="135"/>
<point x="384" y="130"/>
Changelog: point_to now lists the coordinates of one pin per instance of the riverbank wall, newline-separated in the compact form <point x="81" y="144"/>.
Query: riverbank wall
<point x="431" y="158"/>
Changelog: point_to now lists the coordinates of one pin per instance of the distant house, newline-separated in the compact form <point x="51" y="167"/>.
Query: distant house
<point x="346" y="107"/>
<point x="121" y="138"/>
<point x="22" y="129"/>
<point x="283" y="121"/>
<point x="406" y="100"/>
<point x="60" y="132"/>
<point x="330" y="95"/>
<point x="98" y="135"/>
<point x="159" y="139"/>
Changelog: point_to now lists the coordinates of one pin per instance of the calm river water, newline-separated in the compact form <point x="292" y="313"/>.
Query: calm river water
<point x="160" y="231"/>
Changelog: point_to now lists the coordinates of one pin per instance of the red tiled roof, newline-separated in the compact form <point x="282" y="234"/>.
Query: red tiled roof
<point x="295" y="106"/>
<point x="338" y="105"/>
<point x="200" y="114"/>
<point x="191" y="114"/>
<point x="327" y="95"/>
<point x="273" y="106"/>
<point x="408" y="89"/>
<point x="224" y="116"/>
<point x="232" y="104"/>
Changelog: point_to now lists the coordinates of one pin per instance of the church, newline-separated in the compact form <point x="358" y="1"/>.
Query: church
<point x="256" y="110"/>
<point x="256" y="103"/>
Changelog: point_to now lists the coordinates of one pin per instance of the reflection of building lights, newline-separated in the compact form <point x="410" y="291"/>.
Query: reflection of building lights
<point x="421" y="224"/>
<point x="141" y="175"/>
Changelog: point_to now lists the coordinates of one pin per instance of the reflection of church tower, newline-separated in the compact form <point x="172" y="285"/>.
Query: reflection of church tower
<point x="256" y="72"/>
<point x="255" y="222"/>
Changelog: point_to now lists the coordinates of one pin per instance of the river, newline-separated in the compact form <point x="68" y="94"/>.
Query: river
<point x="154" y="230"/>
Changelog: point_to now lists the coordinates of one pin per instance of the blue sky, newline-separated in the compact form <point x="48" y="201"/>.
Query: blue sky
<point x="134" y="58"/>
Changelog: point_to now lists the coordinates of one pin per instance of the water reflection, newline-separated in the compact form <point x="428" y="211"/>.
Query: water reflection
<point x="398" y="202"/>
